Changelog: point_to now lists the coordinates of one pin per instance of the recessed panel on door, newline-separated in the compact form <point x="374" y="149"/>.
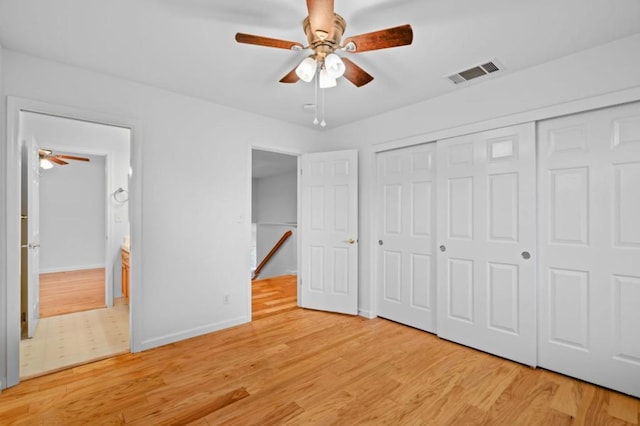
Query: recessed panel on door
<point x="421" y="281"/>
<point x="626" y="204"/>
<point x="341" y="208"/>
<point x="393" y="276"/>
<point x="460" y="289"/>
<point x="393" y="209"/>
<point x="569" y="202"/>
<point x="340" y="270"/>
<point x="569" y="307"/>
<point x="503" y="207"/>
<point x="460" y="211"/>
<point x="626" y="317"/>
<point x="503" y="291"/>
<point x="421" y="208"/>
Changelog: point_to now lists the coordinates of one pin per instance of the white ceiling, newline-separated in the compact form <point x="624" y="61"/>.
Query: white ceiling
<point x="188" y="46"/>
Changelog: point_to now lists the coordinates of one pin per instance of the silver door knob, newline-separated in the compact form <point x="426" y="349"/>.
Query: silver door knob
<point x="443" y="248"/>
<point x="33" y="245"/>
<point x="526" y="255"/>
<point x="380" y="242"/>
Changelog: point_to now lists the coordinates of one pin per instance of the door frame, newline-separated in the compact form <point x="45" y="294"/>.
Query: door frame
<point x="108" y="211"/>
<point x="12" y="220"/>
<point x="277" y="150"/>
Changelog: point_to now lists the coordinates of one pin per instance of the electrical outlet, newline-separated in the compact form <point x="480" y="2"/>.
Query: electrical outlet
<point x="225" y="299"/>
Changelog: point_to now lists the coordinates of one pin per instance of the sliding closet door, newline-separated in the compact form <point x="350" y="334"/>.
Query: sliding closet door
<point x="589" y="167"/>
<point x="486" y="238"/>
<point x="406" y="275"/>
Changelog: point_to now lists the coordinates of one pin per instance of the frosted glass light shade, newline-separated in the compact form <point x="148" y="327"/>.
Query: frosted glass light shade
<point x="334" y="65"/>
<point x="307" y="69"/>
<point x="45" y="164"/>
<point x="326" y="80"/>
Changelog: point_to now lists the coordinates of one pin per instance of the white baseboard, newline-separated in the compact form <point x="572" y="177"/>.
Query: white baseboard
<point x="69" y="268"/>
<point x="194" y="332"/>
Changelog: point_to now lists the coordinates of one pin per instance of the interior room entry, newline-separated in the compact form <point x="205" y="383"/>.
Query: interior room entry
<point x="406" y="200"/>
<point x="274" y="216"/>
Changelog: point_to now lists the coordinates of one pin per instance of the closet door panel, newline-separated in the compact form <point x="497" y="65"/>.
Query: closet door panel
<point x="589" y="210"/>
<point x="405" y="192"/>
<point x="486" y="239"/>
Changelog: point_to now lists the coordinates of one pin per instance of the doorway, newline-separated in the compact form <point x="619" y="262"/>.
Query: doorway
<point x="274" y="213"/>
<point x="82" y="228"/>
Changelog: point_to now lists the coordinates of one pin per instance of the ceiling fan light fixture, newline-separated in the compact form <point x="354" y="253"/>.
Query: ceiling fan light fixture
<point x="334" y="65"/>
<point x="326" y="81"/>
<point x="307" y="69"/>
<point x="45" y="164"/>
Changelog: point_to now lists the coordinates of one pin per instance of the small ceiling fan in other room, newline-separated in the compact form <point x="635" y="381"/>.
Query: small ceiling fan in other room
<point x="48" y="158"/>
<point x="324" y="29"/>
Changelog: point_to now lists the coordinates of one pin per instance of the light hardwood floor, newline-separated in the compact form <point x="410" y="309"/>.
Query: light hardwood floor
<point x="304" y="367"/>
<point x="271" y="296"/>
<point x="73" y="291"/>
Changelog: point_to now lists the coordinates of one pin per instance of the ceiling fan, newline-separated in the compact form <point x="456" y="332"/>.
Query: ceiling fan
<point x="324" y="29"/>
<point x="48" y="158"/>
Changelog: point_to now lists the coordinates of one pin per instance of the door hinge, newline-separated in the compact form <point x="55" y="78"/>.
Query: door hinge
<point x="300" y="172"/>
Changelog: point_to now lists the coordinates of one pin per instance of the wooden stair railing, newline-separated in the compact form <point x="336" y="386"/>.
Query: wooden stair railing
<point x="273" y="251"/>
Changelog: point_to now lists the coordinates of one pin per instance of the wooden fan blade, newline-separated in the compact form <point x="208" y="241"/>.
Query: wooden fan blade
<point x="44" y="152"/>
<point x="72" y="157"/>
<point x="268" y="42"/>
<point x="292" y="77"/>
<point x="355" y="74"/>
<point x="321" y="17"/>
<point x="383" y="39"/>
<point x="57" y="161"/>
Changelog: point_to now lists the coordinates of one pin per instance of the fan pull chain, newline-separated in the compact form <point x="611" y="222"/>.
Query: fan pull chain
<point x="323" y="123"/>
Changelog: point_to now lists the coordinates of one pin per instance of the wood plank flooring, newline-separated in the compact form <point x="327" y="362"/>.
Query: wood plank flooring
<point x="72" y="291"/>
<point x="304" y="367"/>
<point x="271" y="296"/>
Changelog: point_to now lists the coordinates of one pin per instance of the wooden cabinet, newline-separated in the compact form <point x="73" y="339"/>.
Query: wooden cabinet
<point x="125" y="273"/>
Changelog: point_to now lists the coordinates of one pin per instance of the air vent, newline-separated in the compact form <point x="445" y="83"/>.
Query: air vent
<point x="474" y="72"/>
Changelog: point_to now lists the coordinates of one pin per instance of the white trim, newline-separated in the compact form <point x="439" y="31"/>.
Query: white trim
<point x="12" y="219"/>
<point x="194" y="332"/>
<point x="553" y="111"/>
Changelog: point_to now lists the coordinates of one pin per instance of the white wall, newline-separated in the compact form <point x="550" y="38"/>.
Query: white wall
<point x="604" y="69"/>
<point x="72" y="216"/>
<point x="84" y="138"/>
<point x="195" y="193"/>
<point x="276" y="212"/>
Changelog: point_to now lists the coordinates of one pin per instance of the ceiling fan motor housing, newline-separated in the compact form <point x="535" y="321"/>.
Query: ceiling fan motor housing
<point x="324" y="43"/>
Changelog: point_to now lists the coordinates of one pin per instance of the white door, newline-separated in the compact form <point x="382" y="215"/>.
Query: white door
<point x="486" y="238"/>
<point x="406" y="269"/>
<point x="33" y="235"/>
<point x="329" y="231"/>
<point x="589" y="209"/>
